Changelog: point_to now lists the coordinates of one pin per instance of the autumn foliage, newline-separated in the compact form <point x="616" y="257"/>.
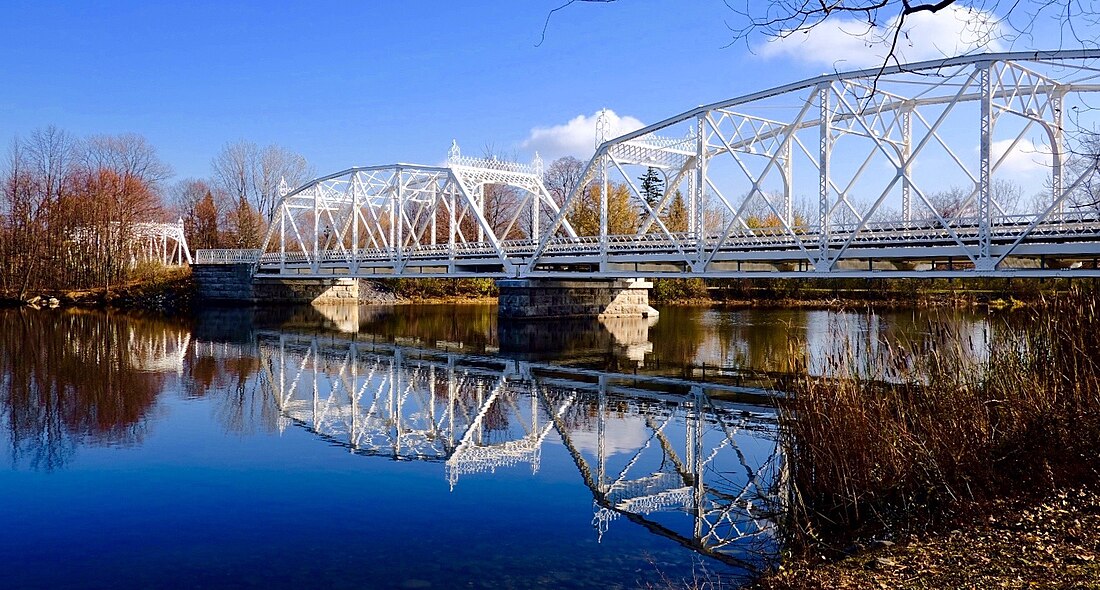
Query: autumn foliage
<point x="68" y="208"/>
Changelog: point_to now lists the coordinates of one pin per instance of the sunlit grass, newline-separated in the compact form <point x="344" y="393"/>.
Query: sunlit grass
<point x="955" y="432"/>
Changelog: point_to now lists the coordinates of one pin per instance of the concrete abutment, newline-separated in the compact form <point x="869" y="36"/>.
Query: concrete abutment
<point x="551" y="298"/>
<point x="236" y="283"/>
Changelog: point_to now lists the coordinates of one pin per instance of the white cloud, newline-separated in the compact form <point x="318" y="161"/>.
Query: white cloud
<point x="623" y="435"/>
<point x="1026" y="161"/>
<point x="847" y="43"/>
<point x="576" y="137"/>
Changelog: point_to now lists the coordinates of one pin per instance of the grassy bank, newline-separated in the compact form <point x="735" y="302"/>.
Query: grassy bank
<point x="834" y="293"/>
<point x="958" y="439"/>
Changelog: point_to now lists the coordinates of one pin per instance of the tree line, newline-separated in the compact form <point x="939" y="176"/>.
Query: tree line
<point x="69" y="205"/>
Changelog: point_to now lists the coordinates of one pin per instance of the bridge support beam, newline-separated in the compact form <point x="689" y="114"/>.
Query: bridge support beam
<point x="546" y="298"/>
<point x="234" y="283"/>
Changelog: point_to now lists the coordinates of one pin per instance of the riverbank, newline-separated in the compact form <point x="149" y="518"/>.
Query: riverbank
<point x="169" y="291"/>
<point x="864" y="293"/>
<point x="172" y="291"/>
<point x="1049" y="543"/>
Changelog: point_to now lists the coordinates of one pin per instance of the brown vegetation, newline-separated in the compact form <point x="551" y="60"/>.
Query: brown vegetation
<point x="67" y="208"/>
<point x="443" y="289"/>
<point x="954" y="434"/>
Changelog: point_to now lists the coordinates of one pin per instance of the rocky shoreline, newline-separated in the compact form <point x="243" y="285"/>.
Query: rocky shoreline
<point x="1053" y="542"/>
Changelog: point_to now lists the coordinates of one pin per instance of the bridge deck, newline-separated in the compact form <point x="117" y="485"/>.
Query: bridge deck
<point x="1065" y="246"/>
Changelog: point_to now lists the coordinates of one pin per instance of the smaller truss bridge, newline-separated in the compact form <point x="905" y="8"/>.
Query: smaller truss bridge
<point x="912" y="171"/>
<point x="146" y="241"/>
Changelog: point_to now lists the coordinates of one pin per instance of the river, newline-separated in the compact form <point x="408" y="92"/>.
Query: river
<point x="415" y="446"/>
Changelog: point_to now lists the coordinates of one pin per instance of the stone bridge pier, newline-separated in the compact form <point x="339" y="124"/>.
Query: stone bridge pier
<point x="554" y="298"/>
<point x="236" y="283"/>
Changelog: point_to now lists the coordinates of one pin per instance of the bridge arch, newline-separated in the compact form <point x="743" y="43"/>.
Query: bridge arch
<point x="389" y="219"/>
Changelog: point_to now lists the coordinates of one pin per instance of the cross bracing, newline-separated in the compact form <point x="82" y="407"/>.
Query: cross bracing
<point x="839" y="175"/>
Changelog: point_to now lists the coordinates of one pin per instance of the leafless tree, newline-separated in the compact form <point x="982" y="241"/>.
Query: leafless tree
<point x="278" y="164"/>
<point x="950" y="202"/>
<point x="1084" y="162"/>
<point x="234" y="169"/>
<point x="253" y="174"/>
<point x="887" y="22"/>
<point x="562" y="176"/>
<point x="69" y="206"/>
<point x="500" y="202"/>
<point x="38" y="173"/>
<point x="129" y="155"/>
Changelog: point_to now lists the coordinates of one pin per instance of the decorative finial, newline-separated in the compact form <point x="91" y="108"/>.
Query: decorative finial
<point x="454" y="154"/>
<point x="284" y="188"/>
<point x="537" y="164"/>
<point x="603" y="127"/>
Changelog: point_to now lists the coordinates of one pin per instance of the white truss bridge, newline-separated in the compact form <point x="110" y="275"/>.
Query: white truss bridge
<point x="868" y="153"/>
<point x="477" y="414"/>
<point x="146" y="241"/>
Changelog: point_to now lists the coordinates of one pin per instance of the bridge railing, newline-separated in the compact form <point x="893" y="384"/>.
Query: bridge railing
<point x="226" y="256"/>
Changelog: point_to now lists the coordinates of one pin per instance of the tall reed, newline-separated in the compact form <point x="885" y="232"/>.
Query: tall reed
<point x="940" y="431"/>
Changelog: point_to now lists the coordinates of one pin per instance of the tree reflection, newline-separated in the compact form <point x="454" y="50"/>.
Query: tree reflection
<point x="69" y="378"/>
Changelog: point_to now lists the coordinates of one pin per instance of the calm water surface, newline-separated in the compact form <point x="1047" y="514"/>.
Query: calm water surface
<point x="403" y="447"/>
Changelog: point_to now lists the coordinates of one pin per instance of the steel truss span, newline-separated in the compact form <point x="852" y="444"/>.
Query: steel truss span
<point x="843" y="175"/>
<point x="165" y="243"/>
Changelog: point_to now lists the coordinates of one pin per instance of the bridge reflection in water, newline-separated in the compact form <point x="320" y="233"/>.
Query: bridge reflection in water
<point x="660" y="452"/>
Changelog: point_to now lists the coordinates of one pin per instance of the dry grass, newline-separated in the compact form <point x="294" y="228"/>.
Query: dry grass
<point x="868" y="459"/>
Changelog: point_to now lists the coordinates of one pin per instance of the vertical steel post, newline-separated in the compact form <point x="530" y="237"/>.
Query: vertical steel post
<point x="536" y="201"/>
<point x="604" y="186"/>
<point x="316" y="231"/>
<point x="354" y="224"/>
<point x="393" y="213"/>
<point x="479" y="198"/>
<point x="906" y="167"/>
<point x="824" y="155"/>
<point x="435" y="210"/>
<point x="451" y="230"/>
<point x="1057" y="149"/>
<point x="788" y="182"/>
<point x="400" y="194"/>
<point x="699" y="189"/>
<point x="985" y="210"/>
<point x="535" y="214"/>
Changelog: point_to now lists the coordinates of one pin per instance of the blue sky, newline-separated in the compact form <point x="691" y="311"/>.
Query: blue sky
<point x="373" y="82"/>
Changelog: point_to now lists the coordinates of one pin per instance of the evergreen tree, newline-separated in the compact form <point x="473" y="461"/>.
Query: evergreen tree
<point x="205" y="231"/>
<point x="248" y="225"/>
<point x="652" y="186"/>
